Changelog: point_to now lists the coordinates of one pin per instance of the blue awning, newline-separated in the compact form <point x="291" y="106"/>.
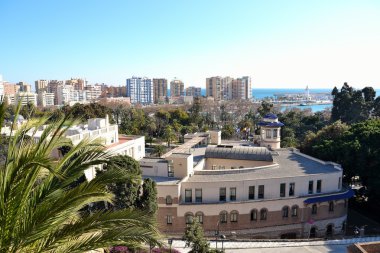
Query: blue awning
<point x="345" y="195"/>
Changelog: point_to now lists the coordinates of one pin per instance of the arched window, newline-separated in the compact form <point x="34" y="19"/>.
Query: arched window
<point x="331" y="206"/>
<point x="223" y="217"/>
<point x="263" y="214"/>
<point x="189" y="218"/>
<point x="294" y="211"/>
<point x="314" y="209"/>
<point x="199" y="217"/>
<point x="169" y="200"/>
<point x="234" y="216"/>
<point x="254" y="215"/>
<point x="285" y="212"/>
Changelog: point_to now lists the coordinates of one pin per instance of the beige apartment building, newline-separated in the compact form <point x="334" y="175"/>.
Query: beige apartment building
<point x="227" y="88"/>
<point x="248" y="191"/>
<point x="160" y="89"/>
<point x="177" y="88"/>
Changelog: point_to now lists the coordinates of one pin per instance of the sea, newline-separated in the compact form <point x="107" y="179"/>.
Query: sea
<point x="259" y="94"/>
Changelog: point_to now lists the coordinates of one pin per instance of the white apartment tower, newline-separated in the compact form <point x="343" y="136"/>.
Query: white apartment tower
<point x="140" y="90"/>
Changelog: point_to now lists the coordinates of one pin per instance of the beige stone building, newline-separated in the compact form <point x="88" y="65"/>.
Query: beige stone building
<point x="160" y="89"/>
<point x="177" y="88"/>
<point x="250" y="191"/>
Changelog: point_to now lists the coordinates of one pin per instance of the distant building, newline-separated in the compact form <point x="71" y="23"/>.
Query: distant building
<point x="41" y="85"/>
<point x="93" y="91"/>
<point x="177" y="88"/>
<point x="53" y="88"/>
<point x="10" y="88"/>
<point x="227" y="88"/>
<point x="45" y="99"/>
<point x="140" y="90"/>
<point x="24" y="98"/>
<point x="77" y="83"/>
<point x="24" y="87"/>
<point x="193" y="91"/>
<point x="160" y="89"/>
<point x="1" y="88"/>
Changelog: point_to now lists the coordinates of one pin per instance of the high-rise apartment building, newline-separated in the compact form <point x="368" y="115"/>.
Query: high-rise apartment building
<point x="1" y="88"/>
<point x="53" y="88"/>
<point x="160" y="89"/>
<point x="93" y="91"/>
<point x="77" y="83"/>
<point x="45" y="99"/>
<point x="24" y="87"/>
<point x="177" y="88"/>
<point x="140" y="90"/>
<point x="228" y="88"/>
<point x="41" y="85"/>
<point x="193" y="91"/>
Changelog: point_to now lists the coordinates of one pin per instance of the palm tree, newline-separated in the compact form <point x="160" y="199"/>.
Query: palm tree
<point x="42" y="202"/>
<point x="158" y="150"/>
<point x="169" y="135"/>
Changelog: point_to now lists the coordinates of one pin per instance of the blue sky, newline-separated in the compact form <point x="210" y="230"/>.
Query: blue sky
<point x="280" y="44"/>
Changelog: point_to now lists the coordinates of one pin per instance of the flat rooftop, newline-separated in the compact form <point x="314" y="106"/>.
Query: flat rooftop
<point x="163" y="180"/>
<point x="288" y="163"/>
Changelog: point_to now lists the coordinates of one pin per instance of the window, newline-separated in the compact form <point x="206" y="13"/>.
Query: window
<point x="291" y="189"/>
<point x="188" y="195"/>
<point x="274" y="133"/>
<point x="263" y="214"/>
<point x="261" y="192"/>
<point x="213" y="167"/>
<point x="251" y="192"/>
<point x="234" y="216"/>
<point x="169" y="200"/>
<point x="169" y="219"/>
<point x="331" y="206"/>
<point x="198" y="195"/>
<point x="222" y="194"/>
<point x="223" y="217"/>
<point x="311" y="187"/>
<point x="170" y="169"/>
<point x="282" y="190"/>
<point x="232" y="194"/>
<point x="199" y="217"/>
<point x="189" y="218"/>
<point x="268" y="134"/>
<point x="314" y="209"/>
<point x="319" y="186"/>
<point x="254" y="215"/>
<point x="294" y="211"/>
<point x="285" y="212"/>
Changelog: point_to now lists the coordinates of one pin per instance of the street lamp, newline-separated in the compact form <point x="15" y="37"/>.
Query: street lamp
<point x="216" y="235"/>
<point x="170" y="242"/>
<point x="222" y="237"/>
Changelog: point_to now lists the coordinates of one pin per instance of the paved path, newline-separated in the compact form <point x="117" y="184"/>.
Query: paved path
<point x="321" y="246"/>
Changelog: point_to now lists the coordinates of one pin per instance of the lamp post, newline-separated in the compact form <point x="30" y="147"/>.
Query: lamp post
<point x="216" y="235"/>
<point x="222" y="237"/>
<point x="170" y="242"/>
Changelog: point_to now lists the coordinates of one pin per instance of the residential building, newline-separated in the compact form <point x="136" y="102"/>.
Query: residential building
<point x="193" y="91"/>
<point x="248" y="191"/>
<point x="10" y="88"/>
<point x="24" y="98"/>
<point x="227" y="88"/>
<point x="93" y="91"/>
<point x="1" y="88"/>
<point x="140" y="90"/>
<point x="177" y="88"/>
<point x="41" y="85"/>
<point x="160" y="89"/>
<point x="24" y="87"/>
<point x="64" y="94"/>
<point x="45" y="99"/>
<point x="77" y="83"/>
<point x="53" y="88"/>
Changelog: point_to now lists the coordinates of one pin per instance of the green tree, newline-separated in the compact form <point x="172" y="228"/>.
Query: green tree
<point x="127" y="192"/>
<point x="194" y="237"/>
<point x="228" y="131"/>
<point x="42" y="200"/>
<point x="159" y="150"/>
<point x="265" y="108"/>
<point x="148" y="198"/>
<point x="169" y="135"/>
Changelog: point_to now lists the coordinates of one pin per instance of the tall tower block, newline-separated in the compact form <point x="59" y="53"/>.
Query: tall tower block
<point x="270" y="131"/>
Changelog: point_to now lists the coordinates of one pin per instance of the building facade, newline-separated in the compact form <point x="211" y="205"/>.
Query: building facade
<point x="193" y="91"/>
<point x="140" y="90"/>
<point x="160" y="90"/>
<point x="248" y="191"/>
<point x="45" y="99"/>
<point x="41" y="85"/>
<point x="177" y="88"/>
<point x="227" y="88"/>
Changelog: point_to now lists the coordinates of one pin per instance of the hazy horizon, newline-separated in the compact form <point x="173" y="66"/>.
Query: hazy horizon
<point x="280" y="44"/>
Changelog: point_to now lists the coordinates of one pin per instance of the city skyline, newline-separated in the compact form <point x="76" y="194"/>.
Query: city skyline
<point x="279" y="44"/>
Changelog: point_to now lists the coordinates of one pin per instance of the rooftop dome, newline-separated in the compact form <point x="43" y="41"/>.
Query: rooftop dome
<point x="270" y="116"/>
<point x="239" y="153"/>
